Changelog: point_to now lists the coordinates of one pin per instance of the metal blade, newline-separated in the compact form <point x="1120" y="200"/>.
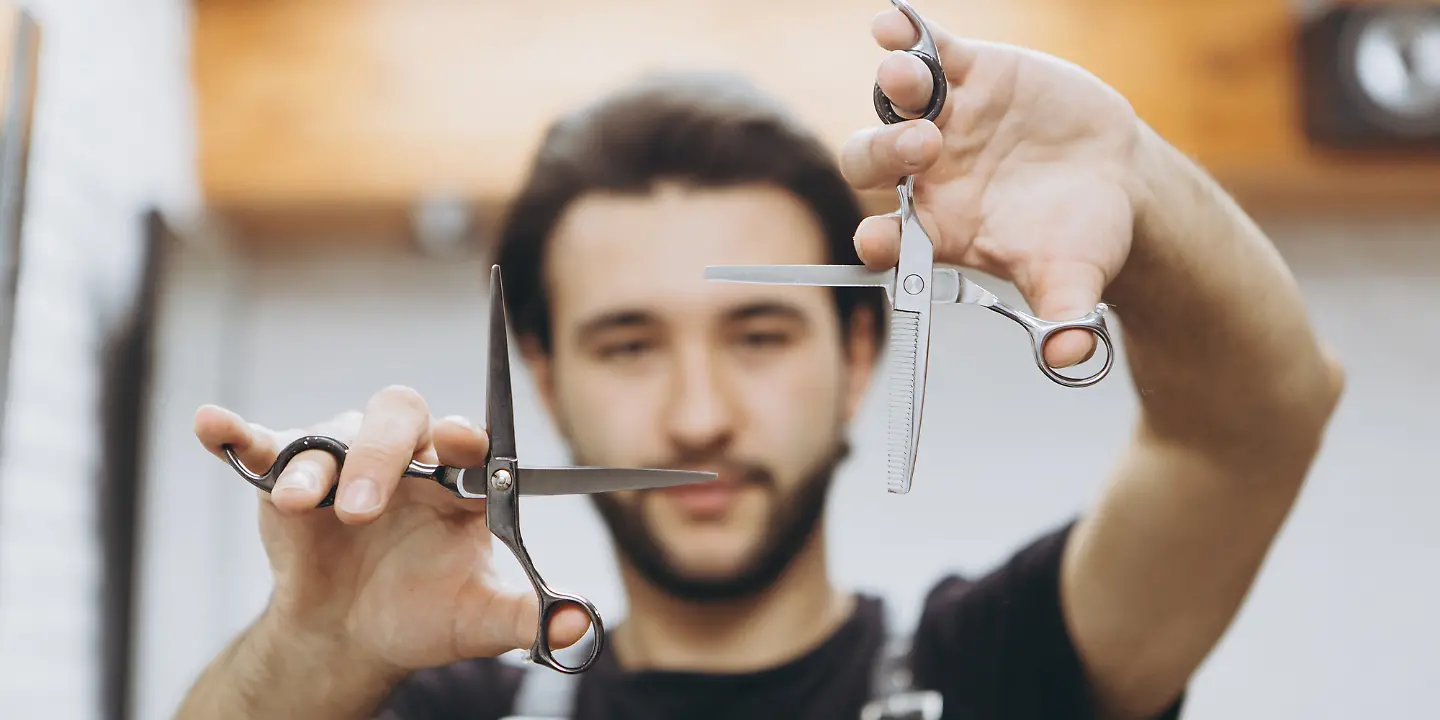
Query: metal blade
<point x="813" y="275"/>
<point x="499" y="403"/>
<point x="909" y="349"/>
<point x="586" y="480"/>
<point x="909" y="342"/>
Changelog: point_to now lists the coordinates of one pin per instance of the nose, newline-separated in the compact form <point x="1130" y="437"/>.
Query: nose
<point x="701" y="417"/>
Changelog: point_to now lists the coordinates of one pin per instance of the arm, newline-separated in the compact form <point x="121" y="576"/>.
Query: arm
<point x="1235" y="394"/>
<point x="1038" y="172"/>
<point x="268" y="672"/>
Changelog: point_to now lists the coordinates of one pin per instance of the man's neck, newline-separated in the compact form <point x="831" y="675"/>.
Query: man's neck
<point x="794" y="615"/>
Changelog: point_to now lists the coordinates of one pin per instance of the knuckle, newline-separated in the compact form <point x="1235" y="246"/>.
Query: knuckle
<point x="373" y="452"/>
<point x="405" y="397"/>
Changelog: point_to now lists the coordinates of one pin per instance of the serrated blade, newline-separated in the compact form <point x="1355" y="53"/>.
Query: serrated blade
<point x="909" y="348"/>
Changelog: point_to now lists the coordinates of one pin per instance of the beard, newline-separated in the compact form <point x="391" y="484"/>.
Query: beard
<point x="793" y="520"/>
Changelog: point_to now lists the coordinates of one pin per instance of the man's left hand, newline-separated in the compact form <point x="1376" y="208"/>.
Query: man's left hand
<point x="1030" y="173"/>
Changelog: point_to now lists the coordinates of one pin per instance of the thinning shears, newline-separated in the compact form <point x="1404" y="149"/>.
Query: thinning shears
<point x="913" y="286"/>
<point x="501" y="481"/>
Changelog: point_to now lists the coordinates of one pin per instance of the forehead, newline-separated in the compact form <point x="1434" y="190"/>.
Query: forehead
<point x="614" y="252"/>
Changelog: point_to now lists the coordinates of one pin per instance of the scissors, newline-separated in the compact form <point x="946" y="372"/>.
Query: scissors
<point x="912" y="287"/>
<point x="501" y="481"/>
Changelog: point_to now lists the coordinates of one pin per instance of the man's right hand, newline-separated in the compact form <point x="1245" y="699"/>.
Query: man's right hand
<point x="396" y="576"/>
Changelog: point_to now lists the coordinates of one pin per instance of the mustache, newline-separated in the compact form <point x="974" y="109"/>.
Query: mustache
<point x="736" y="469"/>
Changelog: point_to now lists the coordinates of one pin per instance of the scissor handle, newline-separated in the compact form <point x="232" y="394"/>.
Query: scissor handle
<point x="1041" y="331"/>
<point x="924" y="49"/>
<point x="337" y="449"/>
<point x="502" y="517"/>
<point x="550" y="603"/>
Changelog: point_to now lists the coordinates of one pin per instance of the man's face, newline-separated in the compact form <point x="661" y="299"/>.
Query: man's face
<point x="654" y="366"/>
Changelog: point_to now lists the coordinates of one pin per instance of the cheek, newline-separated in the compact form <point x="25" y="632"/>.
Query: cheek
<point x="795" y="405"/>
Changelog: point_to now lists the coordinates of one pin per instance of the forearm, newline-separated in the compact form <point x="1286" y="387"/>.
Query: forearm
<point x="1216" y="331"/>
<point x="268" y="672"/>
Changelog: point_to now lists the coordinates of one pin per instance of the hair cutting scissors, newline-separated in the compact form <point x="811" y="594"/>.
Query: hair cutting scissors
<point x="501" y="481"/>
<point x="913" y="286"/>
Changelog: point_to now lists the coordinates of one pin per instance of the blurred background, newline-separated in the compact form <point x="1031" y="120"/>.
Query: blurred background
<point x="282" y="207"/>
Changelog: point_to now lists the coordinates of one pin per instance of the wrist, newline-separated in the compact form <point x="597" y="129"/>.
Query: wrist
<point x="338" y="671"/>
<point x="1164" y="188"/>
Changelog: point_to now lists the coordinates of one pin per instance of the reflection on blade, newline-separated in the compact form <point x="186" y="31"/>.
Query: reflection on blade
<point x="821" y="275"/>
<point x="585" y="480"/>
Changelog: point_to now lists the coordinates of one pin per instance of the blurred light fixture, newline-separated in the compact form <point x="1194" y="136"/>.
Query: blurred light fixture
<point x="443" y="225"/>
<point x="1371" y="75"/>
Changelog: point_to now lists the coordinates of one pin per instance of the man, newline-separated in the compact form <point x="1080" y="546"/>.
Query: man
<point x="1035" y="172"/>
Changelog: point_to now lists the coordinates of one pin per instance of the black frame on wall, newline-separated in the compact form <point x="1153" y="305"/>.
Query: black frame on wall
<point x="127" y="364"/>
<point x="17" y="114"/>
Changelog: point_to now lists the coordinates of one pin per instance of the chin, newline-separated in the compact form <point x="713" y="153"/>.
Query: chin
<point x="707" y="552"/>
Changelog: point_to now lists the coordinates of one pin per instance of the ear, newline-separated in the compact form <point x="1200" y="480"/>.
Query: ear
<point x="861" y="353"/>
<point x="541" y="371"/>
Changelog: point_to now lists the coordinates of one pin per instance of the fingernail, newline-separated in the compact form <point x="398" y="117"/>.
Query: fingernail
<point x="299" y="480"/>
<point x="911" y="146"/>
<point x="361" y="496"/>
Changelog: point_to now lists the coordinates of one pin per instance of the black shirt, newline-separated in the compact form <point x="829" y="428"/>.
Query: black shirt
<point x="997" y="648"/>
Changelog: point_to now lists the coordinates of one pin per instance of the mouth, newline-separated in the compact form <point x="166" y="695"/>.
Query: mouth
<point x="711" y="499"/>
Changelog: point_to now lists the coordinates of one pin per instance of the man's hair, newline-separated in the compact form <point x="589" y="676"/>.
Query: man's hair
<point x="707" y="130"/>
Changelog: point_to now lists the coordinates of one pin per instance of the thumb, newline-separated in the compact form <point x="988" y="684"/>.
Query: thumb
<point x="1061" y="291"/>
<point x="510" y="620"/>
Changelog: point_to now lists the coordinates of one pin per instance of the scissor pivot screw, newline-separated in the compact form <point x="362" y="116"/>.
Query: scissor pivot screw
<point x="501" y="480"/>
<point x="914" y="284"/>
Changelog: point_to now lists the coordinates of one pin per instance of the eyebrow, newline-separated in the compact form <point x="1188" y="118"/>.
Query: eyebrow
<point x="631" y="318"/>
<point x="764" y="309"/>
<point x="615" y="319"/>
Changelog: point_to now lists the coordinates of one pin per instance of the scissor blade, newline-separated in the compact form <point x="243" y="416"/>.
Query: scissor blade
<point x="586" y="480"/>
<point x="909" y="345"/>
<point x="499" y="403"/>
<point x="818" y="275"/>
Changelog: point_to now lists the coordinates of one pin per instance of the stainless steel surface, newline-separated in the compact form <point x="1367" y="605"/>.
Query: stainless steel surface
<point x="909" y="343"/>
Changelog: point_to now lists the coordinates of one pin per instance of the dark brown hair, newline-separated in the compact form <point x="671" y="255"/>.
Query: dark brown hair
<point x="709" y="130"/>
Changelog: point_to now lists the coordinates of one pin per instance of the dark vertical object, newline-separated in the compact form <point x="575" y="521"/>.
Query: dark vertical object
<point x="18" y="108"/>
<point x="125" y="390"/>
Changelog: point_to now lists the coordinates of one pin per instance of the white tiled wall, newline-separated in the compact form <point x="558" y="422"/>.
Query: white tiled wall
<point x="1340" y="626"/>
<point x="111" y="136"/>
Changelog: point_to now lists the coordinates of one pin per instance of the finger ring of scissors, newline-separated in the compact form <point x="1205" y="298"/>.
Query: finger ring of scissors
<point x="925" y="49"/>
<point x="500" y="483"/>
<point x="953" y="287"/>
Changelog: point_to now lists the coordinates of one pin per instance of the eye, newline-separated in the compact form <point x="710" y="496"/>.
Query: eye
<point x="624" y="350"/>
<point x="765" y="339"/>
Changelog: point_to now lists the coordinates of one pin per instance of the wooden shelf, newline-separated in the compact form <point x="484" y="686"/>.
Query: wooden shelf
<point x="378" y="103"/>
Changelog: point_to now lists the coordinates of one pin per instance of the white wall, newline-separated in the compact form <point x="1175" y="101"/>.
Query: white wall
<point x="111" y="135"/>
<point x="1338" y="627"/>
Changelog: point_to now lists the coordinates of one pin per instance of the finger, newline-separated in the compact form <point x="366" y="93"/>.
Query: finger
<point x="215" y="427"/>
<point x="460" y="443"/>
<point x="893" y="31"/>
<point x="308" y="477"/>
<point x="907" y="82"/>
<point x="396" y="424"/>
<point x="1062" y="291"/>
<point x="504" y="621"/>
<point x="879" y="156"/>
<point x="877" y="241"/>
